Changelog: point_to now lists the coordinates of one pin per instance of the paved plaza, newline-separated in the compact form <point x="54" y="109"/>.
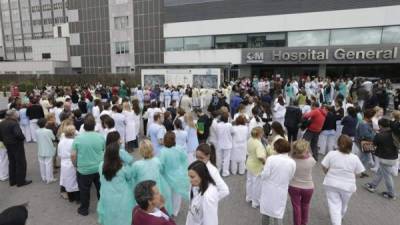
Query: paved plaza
<point x="46" y="207"/>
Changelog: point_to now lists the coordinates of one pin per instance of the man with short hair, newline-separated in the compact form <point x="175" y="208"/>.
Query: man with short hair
<point x="13" y="139"/>
<point x="87" y="154"/>
<point x="317" y="119"/>
<point x="150" y="209"/>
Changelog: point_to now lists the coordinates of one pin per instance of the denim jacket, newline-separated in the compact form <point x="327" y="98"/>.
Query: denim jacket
<point x="364" y="132"/>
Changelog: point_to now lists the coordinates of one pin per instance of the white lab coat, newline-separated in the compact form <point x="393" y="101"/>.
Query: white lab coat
<point x="224" y="146"/>
<point x="222" y="187"/>
<point x="68" y="171"/>
<point x="279" y="113"/>
<point x="203" y="209"/>
<point x="239" y="150"/>
<point x="3" y="163"/>
<point x="186" y="103"/>
<point x="131" y="124"/>
<point x="119" y="120"/>
<point x="253" y="124"/>
<point x="150" y="117"/>
<point x="212" y="138"/>
<point x="276" y="176"/>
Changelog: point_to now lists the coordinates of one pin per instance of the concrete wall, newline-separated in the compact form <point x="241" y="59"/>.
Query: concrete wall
<point x="121" y="8"/>
<point x="382" y="16"/>
<point x="31" y="67"/>
<point x="57" y="47"/>
<point x="223" y="56"/>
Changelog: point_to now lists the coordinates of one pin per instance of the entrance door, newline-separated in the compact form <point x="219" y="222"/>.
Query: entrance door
<point x="285" y="71"/>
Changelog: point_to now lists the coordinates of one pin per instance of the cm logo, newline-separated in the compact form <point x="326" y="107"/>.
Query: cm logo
<point x="255" y="57"/>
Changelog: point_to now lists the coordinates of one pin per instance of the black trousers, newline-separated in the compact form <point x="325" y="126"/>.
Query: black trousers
<point x="84" y="184"/>
<point x="292" y="134"/>
<point x="17" y="163"/>
<point x="312" y="137"/>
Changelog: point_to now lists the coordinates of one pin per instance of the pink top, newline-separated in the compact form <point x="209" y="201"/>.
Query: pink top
<point x="303" y="175"/>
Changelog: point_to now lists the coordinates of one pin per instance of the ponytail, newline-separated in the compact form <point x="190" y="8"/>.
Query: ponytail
<point x="213" y="157"/>
<point x="208" y="150"/>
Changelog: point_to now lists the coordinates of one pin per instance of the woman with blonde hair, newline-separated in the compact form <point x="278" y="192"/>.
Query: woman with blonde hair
<point x="301" y="187"/>
<point x="192" y="141"/>
<point x="68" y="172"/>
<point x="149" y="168"/>
<point x="256" y="156"/>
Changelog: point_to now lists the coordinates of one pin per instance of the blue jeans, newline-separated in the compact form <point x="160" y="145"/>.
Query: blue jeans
<point x="385" y="172"/>
<point x="366" y="159"/>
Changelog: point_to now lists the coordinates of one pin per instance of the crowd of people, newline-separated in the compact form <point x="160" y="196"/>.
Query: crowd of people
<point x="189" y="139"/>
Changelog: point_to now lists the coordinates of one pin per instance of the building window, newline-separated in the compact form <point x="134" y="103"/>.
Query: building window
<point x="196" y="43"/>
<point x="121" y="22"/>
<point x="257" y="40"/>
<point x="59" y="31"/>
<point x="275" y="40"/>
<point x="357" y="36"/>
<point x="174" y="44"/>
<point x="46" y="56"/>
<point x="123" y="69"/>
<point x="121" y="47"/>
<point x="391" y="35"/>
<point x="308" y="38"/>
<point x="231" y="41"/>
<point x="121" y="2"/>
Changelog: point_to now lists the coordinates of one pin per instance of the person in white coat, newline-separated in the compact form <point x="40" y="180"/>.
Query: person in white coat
<point x="212" y="138"/>
<point x="24" y="124"/>
<point x="279" y="111"/>
<point x="3" y="163"/>
<point x="181" y="135"/>
<point x="131" y="124"/>
<point x="167" y="97"/>
<point x="224" y="143"/>
<point x="119" y="120"/>
<point x="255" y="121"/>
<point x="192" y="139"/>
<point x="206" y="153"/>
<point x="204" y="199"/>
<point x="97" y="108"/>
<point x="341" y="168"/>
<point x="149" y="114"/>
<point x="68" y="172"/>
<point x="277" y="173"/>
<point x="239" y="149"/>
<point x="186" y="102"/>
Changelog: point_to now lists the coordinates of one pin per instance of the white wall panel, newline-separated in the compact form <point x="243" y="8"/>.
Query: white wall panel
<point x="204" y="56"/>
<point x="365" y="17"/>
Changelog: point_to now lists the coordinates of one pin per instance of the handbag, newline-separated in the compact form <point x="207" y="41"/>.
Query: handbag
<point x="367" y="146"/>
<point x="305" y="124"/>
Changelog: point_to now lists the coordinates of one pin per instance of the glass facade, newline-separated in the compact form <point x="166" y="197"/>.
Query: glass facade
<point x="391" y="35"/>
<point x="308" y="38"/>
<point x="93" y="28"/>
<point x="174" y="44"/>
<point x="197" y="43"/>
<point x="148" y="30"/>
<point x="353" y="36"/>
<point x="231" y="41"/>
<point x="356" y="36"/>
